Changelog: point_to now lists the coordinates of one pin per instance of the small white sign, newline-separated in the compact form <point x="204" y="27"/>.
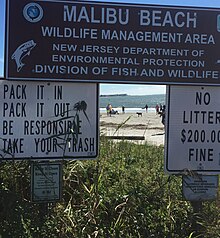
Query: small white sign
<point x="42" y="120"/>
<point x="193" y="129"/>
<point x="46" y="182"/>
<point x="200" y="187"/>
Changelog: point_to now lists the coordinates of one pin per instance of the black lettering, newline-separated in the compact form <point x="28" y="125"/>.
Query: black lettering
<point x="198" y="98"/>
<point x="86" y="147"/>
<point x="40" y="91"/>
<point x="15" y="92"/>
<point x="40" y="107"/>
<point x="46" y="145"/>
<point x="7" y="127"/>
<point x="80" y="145"/>
<point x="203" y="98"/>
<point x="5" y="90"/>
<point x="36" y="140"/>
<point x="210" y="154"/>
<point x="92" y="144"/>
<point x="217" y="117"/>
<point x="5" y="108"/>
<point x="204" y="117"/>
<point x="29" y="127"/>
<point x="200" y="154"/>
<point x="196" y="119"/>
<point x="14" y="110"/>
<point x="61" y="109"/>
<point x="210" y="117"/>
<point x="13" y="146"/>
<point x="58" y="92"/>
<point x="184" y="117"/>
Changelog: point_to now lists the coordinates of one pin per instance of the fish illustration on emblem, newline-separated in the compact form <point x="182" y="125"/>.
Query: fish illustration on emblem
<point x="22" y="51"/>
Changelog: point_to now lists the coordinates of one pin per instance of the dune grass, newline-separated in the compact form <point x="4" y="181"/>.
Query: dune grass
<point x="123" y="193"/>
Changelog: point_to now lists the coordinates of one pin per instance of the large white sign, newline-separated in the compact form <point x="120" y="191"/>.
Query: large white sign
<point x="42" y="120"/>
<point x="193" y="129"/>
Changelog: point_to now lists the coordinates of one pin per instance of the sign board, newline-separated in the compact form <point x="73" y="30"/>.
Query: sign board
<point x="41" y="120"/>
<point x="200" y="187"/>
<point x="193" y="129"/>
<point x="46" y="182"/>
<point x="112" y="42"/>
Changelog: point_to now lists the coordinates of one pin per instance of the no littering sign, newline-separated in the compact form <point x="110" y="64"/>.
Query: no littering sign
<point x="193" y="129"/>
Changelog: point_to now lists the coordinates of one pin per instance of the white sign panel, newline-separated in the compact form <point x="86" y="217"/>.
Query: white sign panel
<point x="193" y="129"/>
<point x="42" y="120"/>
<point x="46" y="182"/>
<point x="200" y="188"/>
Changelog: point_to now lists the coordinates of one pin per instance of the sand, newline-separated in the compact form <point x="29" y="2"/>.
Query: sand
<point x="130" y="124"/>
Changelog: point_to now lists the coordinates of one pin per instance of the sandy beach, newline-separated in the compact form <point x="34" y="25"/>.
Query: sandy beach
<point x="148" y="126"/>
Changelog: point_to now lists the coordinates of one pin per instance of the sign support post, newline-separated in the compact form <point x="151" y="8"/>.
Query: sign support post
<point x="197" y="211"/>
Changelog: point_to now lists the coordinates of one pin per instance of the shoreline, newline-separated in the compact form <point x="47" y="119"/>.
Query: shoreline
<point x="128" y="110"/>
<point x="147" y="125"/>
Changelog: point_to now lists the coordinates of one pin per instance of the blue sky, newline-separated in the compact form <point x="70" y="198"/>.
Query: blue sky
<point x="131" y="89"/>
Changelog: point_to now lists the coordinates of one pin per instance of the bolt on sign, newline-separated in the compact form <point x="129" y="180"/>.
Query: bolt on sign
<point x="193" y="129"/>
<point x="41" y="120"/>
<point x="112" y="42"/>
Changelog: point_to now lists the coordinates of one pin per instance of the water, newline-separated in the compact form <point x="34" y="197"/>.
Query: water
<point x="132" y="103"/>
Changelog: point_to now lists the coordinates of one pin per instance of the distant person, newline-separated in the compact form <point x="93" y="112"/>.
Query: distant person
<point x="123" y="109"/>
<point x="108" y="109"/>
<point x="161" y="107"/>
<point x="163" y="115"/>
<point x="157" y="108"/>
<point x="114" y="112"/>
<point x="146" y="107"/>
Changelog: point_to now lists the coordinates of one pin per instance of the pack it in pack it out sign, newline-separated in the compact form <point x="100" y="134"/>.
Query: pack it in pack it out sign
<point x="192" y="130"/>
<point x="112" y="42"/>
<point x="42" y="120"/>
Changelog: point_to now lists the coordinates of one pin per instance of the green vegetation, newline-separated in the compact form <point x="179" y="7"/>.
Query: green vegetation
<point x="124" y="193"/>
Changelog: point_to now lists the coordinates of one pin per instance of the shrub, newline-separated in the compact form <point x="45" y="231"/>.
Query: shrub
<point x="123" y="193"/>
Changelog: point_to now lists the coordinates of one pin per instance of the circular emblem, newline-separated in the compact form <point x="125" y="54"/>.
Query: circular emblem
<point x="33" y="12"/>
